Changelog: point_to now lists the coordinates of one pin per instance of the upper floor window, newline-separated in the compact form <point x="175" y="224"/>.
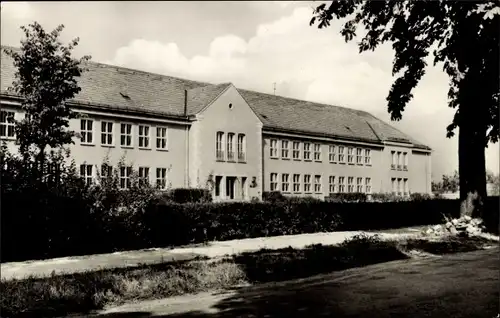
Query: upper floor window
<point x="143" y="136"/>
<point x="284" y="149"/>
<point x="368" y="185"/>
<point x="273" y="148"/>
<point x="273" y="186"/>
<point x="341" y="184"/>
<point x="350" y="184"/>
<point x="332" y="153"/>
<point x="219" y="145"/>
<point x="359" y="185"/>
<point x="307" y="151"/>
<point x="307" y="183"/>
<point x="331" y="184"/>
<point x="126" y="135"/>
<point x="161" y="178"/>
<point x="143" y="176"/>
<point x="317" y="152"/>
<point x="368" y="158"/>
<point x="230" y="146"/>
<point x="400" y="160"/>
<point x="242" y="147"/>
<point x="317" y="183"/>
<point x="86" y="172"/>
<point x="285" y="182"/>
<point x="394" y="160"/>
<point x="296" y="150"/>
<point x="106" y="133"/>
<point x="405" y="161"/>
<point x="341" y="154"/>
<point x="359" y="156"/>
<point x="125" y="177"/>
<point x="350" y="155"/>
<point x="296" y="183"/>
<point x="161" y="138"/>
<point x="7" y="124"/>
<point x="87" y="131"/>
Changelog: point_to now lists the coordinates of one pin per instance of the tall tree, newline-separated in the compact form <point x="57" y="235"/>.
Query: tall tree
<point x="45" y="79"/>
<point x="464" y="37"/>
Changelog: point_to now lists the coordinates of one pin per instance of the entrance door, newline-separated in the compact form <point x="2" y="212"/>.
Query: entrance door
<point x="230" y="187"/>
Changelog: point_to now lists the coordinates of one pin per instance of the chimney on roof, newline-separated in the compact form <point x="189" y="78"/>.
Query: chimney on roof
<point x="185" y="102"/>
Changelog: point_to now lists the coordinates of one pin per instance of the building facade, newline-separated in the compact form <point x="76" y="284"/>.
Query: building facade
<point x="239" y="143"/>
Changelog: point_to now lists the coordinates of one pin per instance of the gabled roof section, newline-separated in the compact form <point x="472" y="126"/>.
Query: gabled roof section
<point x="200" y="97"/>
<point x="119" y="88"/>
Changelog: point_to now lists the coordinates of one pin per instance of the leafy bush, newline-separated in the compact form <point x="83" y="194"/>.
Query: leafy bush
<point x="188" y="195"/>
<point x="346" y="197"/>
<point x="273" y="196"/>
<point x="420" y="196"/>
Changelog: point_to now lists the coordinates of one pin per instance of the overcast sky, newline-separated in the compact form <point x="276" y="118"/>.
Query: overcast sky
<point x="251" y="44"/>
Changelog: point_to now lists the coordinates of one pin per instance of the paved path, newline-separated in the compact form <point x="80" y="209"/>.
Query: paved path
<point x="161" y="255"/>
<point x="457" y="286"/>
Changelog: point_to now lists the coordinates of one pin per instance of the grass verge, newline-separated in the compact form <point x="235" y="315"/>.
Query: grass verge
<point x="88" y="291"/>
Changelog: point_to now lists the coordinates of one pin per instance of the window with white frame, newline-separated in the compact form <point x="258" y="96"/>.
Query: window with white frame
<point x="406" y="186"/>
<point x="106" y="133"/>
<point x="350" y="155"/>
<point x="7" y="124"/>
<point x="400" y="160"/>
<point x="341" y="154"/>
<point x="296" y="150"/>
<point x="394" y="160"/>
<point x="405" y="161"/>
<point x="368" y="185"/>
<point x="143" y="176"/>
<point x="284" y="149"/>
<point x="219" y="145"/>
<point x="161" y="178"/>
<point x="350" y="184"/>
<point x="359" y="156"/>
<point x="307" y="151"/>
<point x="317" y="152"/>
<point x="144" y="136"/>
<point x="87" y="131"/>
<point x="341" y="184"/>
<point x="126" y="135"/>
<point x="285" y="182"/>
<point x="86" y="172"/>
<point x="331" y="184"/>
<point x="230" y="147"/>
<point x="317" y="183"/>
<point x="242" y="145"/>
<point x="106" y="171"/>
<point x="273" y="148"/>
<point x="394" y="185"/>
<point x="161" y="138"/>
<point x="273" y="185"/>
<point x="296" y="183"/>
<point x="125" y="177"/>
<point x="332" y="155"/>
<point x="400" y="186"/>
<point x="359" y="185"/>
<point x="307" y="183"/>
<point x="368" y="157"/>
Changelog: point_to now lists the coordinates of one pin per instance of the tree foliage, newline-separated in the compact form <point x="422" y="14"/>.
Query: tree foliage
<point x="462" y="35"/>
<point x="45" y="79"/>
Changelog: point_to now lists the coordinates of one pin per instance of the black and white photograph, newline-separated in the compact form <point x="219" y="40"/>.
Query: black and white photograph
<point x="266" y="159"/>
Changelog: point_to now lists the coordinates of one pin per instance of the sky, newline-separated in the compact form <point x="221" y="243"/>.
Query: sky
<point x="252" y="45"/>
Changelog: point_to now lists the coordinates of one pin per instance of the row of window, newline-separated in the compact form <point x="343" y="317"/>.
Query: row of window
<point x="225" y="147"/>
<point x="304" y="151"/>
<point x="89" y="174"/>
<point x="107" y="133"/>
<point x="399" y="160"/>
<point x="302" y="183"/>
<point x="400" y="186"/>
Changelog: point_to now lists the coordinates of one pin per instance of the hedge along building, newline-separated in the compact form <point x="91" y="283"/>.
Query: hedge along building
<point x="240" y="143"/>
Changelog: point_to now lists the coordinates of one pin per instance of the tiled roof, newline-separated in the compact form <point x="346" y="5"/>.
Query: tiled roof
<point x="121" y="88"/>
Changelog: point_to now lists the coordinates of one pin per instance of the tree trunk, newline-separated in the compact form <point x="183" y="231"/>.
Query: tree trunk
<point x="472" y="170"/>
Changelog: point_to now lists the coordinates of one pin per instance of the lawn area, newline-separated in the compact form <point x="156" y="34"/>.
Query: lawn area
<point x="92" y="290"/>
